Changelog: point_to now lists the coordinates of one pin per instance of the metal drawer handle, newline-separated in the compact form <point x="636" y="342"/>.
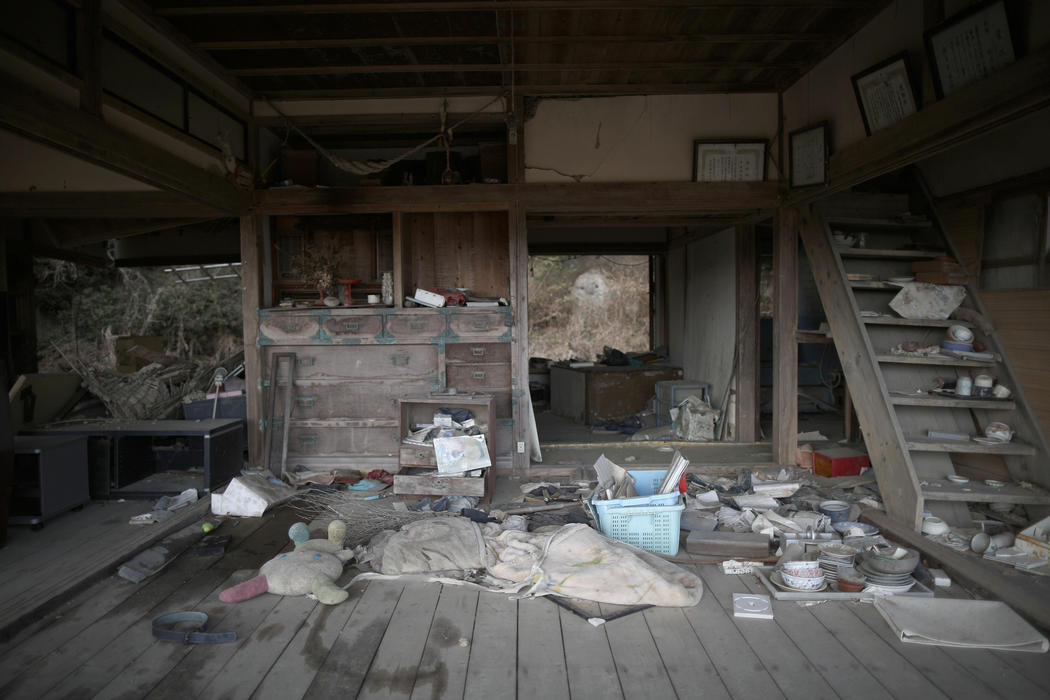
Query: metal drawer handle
<point x="417" y="325"/>
<point x="306" y="361"/>
<point x="305" y="401"/>
<point x="400" y="360"/>
<point x="478" y="374"/>
<point x="477" y="352"/>
<point x="351" y="325"/>
<point x="480" y="324"/>
<point x="307" y="440"/>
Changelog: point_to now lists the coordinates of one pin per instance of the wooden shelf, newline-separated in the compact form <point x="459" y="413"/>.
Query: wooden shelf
<point x="925" y="444"/>
<point x="918" y="322"/>
<point x="978" y="492"/>
<point x="879" y="222"/>
<point x="947" y="402"/>
<point x="939" y="361"/>
<point x="342" y="423"/>
<point x="879" y="254"/>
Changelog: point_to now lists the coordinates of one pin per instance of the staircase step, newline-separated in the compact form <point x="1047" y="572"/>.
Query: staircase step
<point x="875" y="285"/>
<point x="875" y="222"/>
<point x="978" y="492"/>
<point x="940" y="361"/>
<point x="949" y="402"/>
<point x="925" y="444"/>
<point x="879" y="254"/>
<point x="919" y="322"/>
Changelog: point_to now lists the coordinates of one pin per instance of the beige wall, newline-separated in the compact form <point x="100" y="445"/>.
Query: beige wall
<point x="638" y="139"/>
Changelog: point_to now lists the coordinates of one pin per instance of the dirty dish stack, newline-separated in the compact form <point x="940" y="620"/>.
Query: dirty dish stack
<point x="834" y="555"/>
<point x="888" y="570"/>
<point x="802" y="576"/>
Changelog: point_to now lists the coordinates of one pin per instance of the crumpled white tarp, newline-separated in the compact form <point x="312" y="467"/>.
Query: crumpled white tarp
<point x="575" y="561"/>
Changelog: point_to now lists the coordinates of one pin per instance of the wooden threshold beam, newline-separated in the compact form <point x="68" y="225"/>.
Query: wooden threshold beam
<point x="42" y="118"/>
<point x="1013" y="92"/>
<point x="343" y="8"/>
<point x="633" y="67"/>
<point x="110" y="205"/>
<point x="658" y="198"/>
<point x="493" y="39"/>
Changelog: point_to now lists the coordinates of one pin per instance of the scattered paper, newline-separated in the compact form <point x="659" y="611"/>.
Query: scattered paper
<point x="461" y="453"/>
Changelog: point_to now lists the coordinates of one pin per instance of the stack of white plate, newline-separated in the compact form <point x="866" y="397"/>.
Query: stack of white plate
<point x="832" y="556"/>
<point x="879" y="582"/>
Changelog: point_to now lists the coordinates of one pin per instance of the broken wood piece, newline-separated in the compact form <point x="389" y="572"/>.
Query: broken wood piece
<point x="735" y="544"/>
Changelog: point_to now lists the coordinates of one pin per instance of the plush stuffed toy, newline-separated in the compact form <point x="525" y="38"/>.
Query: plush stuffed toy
<point x="312" y="567"/>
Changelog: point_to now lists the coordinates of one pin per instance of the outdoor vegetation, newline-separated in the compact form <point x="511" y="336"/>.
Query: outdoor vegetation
<point x="81" y="310"/>
<point x="580" y="304"/>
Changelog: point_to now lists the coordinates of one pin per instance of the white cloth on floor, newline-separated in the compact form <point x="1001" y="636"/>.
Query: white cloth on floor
<point x="952" y="622"/>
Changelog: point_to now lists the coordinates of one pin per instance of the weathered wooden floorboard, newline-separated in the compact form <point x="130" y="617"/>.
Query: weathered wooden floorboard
<point x="393" y="670"/>
<point x="739" y="667"/>
<point x="844" y="672"/>
<point x="791" y="670"/>
<point x="688" y="666"/>
<point x="294" y="671"/>
<point x="246" y="668"/>
<point x="1034" y="667"/>
<point x="443" y="667"/>
<point x="893" y="670"/>
<point x="954" y="679"/>
<point x="349" y="658"/>
<point x="996" y="672"/>
<point x="492" y="669"/>
<point x="588" y="659"/>
<point x="541" y="656"/>
<point x="638" y="663"/>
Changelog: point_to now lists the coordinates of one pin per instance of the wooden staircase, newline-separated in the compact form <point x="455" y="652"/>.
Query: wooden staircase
<point x="890" y="391"/>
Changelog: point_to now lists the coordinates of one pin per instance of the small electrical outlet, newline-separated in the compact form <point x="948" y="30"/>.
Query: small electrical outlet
<point x="521" y="448"/>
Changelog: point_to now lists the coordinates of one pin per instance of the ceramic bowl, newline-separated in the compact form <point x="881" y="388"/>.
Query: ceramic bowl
<point x="844" y="528"/>
<point x="934" y="526"/>
<point x="802" y="569"/>
<point x="999" y="431"/>
<point x="804" y="583"/>
<point x="957" y="346"/>
<point x="887" y="564"/>
<point x="838" y="511"/>
<point x="960" y="334"/>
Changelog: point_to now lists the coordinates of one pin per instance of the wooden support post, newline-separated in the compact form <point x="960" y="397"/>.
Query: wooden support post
<point x="251" y="280"/>
<point x="399" y="260"/>
<point x="785" y="345"/>
<point x="89" y="56"/>
<point x="747" y="335"/>
<point x="519" y="292"/>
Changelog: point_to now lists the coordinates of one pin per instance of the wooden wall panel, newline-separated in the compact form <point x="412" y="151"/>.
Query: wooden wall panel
<point x="460" y="249"/>
<point x="1022" y="318"/>
<point x="965" y="225"/>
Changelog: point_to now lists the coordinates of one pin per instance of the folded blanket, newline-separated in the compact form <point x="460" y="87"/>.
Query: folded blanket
<point x="951" y="622"/>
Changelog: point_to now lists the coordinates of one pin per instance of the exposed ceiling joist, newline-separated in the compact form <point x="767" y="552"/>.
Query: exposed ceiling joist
<point x="661" y="40"/>
<point x="488" y="6"/>
<point x="603" y="89"/>
<point x="30" y="112"/>
<point x="636" y="67"/>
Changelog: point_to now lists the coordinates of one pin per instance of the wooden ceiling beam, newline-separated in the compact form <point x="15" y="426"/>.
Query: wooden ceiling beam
<point x="346" y="8"/>
<point x="525" y="90"/>
<point x="596" y="198"/>
<point x="1011" y="93"/>
<point x="365" y="42"/>
<point x="42" y="118"/>
<point x="638" y="67"/>
<point x="112" y="205"/>
<point x="73" y="233"/>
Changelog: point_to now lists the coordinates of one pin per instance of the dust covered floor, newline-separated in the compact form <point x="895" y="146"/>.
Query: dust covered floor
<point x="433" y="641"/>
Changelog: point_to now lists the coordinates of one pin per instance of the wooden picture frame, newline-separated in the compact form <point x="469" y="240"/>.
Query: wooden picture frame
<point x="729" y="160"/>
<point x="809" y="150"/>
<point x="969" y="46"/>
<point x="885" y="93"/>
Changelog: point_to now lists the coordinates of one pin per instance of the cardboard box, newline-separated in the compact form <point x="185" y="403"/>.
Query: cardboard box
<point x="839" y="461"/>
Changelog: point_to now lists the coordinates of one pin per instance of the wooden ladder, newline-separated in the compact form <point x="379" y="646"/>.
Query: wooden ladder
<point x="895" y="410"/>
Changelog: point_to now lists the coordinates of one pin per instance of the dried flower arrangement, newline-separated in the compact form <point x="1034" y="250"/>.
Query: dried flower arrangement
<point x="315" y="265"/>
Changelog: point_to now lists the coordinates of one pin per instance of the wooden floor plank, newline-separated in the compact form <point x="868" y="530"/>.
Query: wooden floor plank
<point x="492" y="669"/>
<point x="892" y="669"/>
<point x="541" y="656"/>
<point x="638" y="662"/>
<point x="691" y="670"/>
<point x="844" y="672"/>
<point x="443" y="666"/>
<point x="954" y="679"/>
<point x="393" y="670"/>
<point x="739" y="667"/>
<point x="246" y="668"/>
<point x="588" y="659"/>
<point x="344" y="669"/>
<point x="294" y="671"/>
<point x="995" y="672"/>
<point x="1034" y="667"/>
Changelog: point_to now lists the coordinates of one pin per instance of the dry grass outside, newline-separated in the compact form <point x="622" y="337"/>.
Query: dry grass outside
<point x="580" y="304"/>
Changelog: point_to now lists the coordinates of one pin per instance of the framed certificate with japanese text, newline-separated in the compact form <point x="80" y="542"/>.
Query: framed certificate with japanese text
<point x="969" y="46"/>
<point x="734" y="160"/>
<point x="809" y="150"/>
<point x="885" y="93"/>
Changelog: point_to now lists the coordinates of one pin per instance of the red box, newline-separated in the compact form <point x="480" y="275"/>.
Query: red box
<point x="839" y="461"/>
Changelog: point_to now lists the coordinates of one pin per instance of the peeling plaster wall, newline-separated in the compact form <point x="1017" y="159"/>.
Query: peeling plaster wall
<point x="639" y="139"/>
